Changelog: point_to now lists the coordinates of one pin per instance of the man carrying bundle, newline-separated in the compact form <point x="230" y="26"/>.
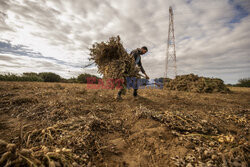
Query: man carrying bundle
<point x="137" y="57"/>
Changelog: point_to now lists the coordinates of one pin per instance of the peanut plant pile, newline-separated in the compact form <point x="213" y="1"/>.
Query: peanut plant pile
<point x="194" y="83"/>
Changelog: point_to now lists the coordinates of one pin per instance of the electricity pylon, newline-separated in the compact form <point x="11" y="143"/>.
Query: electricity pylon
<point x="171" y="69"/>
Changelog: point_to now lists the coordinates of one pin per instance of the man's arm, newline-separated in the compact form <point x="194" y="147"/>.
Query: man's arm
<point x="135" y="53"/>
<point x="142" y="69"/>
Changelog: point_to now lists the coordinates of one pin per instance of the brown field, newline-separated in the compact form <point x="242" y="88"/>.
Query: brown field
<point x="71" y="125"/>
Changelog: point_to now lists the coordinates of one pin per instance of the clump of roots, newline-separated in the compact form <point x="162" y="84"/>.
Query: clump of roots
<point x="67" y="143"/>
<point x="35" y="156"/>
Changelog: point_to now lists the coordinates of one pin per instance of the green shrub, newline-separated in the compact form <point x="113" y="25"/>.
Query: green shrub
<point x="72" y="80"/>
<point x="82" y="78"/>
<point x="31" y="76"/>
<point x="50" y="77"/>
<point x="244" y="82"/>
<point x="13" y="77"/>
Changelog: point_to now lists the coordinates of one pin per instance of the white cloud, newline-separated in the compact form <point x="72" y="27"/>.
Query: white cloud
<point x="212" y="37"/>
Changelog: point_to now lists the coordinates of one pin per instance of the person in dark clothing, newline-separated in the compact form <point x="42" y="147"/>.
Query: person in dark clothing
<point x="137" y="56"/>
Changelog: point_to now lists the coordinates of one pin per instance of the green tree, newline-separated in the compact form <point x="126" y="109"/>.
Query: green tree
<point x="72" y="80"/>
<point x="82" y="78"/>
<point x="244" y="82"/>
<point x="50" y="77"/>
<point x="23" y="77"/>
<point x="31" y="76"/>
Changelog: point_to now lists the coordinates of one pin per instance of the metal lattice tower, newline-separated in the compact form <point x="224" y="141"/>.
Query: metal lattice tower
<point x="171" y="69"/>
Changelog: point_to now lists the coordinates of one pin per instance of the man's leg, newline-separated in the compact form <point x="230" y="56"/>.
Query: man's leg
<point x="135" y="88"/>
<point x="122" y="90"/>
<point x="119" y="95"/>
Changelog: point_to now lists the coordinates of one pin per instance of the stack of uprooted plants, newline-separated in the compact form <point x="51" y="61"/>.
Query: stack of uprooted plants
<point x="194" y="83"/>
<point x="65" y="143"/>
<point x="112" y="59"/>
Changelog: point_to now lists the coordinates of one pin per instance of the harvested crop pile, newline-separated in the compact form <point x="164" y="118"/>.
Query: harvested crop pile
<point x="35" y="156"/>
<point x="194" y="83"/>
<point x="66" y="143"/>
<point x="112" y="59"/>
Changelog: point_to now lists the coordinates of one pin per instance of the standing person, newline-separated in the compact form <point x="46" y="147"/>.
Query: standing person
<point x="137" y="56"/>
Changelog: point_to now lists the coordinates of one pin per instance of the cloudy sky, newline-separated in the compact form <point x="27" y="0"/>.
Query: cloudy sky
<point x="212" y="36"/>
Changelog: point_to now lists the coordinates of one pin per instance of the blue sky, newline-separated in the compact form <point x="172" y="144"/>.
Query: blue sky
<point x="212" y="37"/>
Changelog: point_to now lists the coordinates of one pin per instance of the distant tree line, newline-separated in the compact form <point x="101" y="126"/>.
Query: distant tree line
<point x="45" y="77"/>
<point x="82" y="78"/>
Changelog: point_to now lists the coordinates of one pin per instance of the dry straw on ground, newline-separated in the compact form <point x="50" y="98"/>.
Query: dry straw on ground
<point x="69" y="125"/>
<point x="194" y="83"/>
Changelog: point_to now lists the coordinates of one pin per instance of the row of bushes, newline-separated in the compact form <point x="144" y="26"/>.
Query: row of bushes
<point x="82" y="78"/>
<point x="44" y="77"/>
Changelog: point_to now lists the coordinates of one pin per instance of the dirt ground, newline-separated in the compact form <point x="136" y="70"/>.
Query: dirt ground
<point x="160" y="128"/>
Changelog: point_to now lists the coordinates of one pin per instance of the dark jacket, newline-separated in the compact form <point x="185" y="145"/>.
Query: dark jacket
<point x="137" y="52"/>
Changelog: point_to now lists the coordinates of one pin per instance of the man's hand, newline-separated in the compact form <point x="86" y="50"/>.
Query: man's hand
<point x="146" y="76"/>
